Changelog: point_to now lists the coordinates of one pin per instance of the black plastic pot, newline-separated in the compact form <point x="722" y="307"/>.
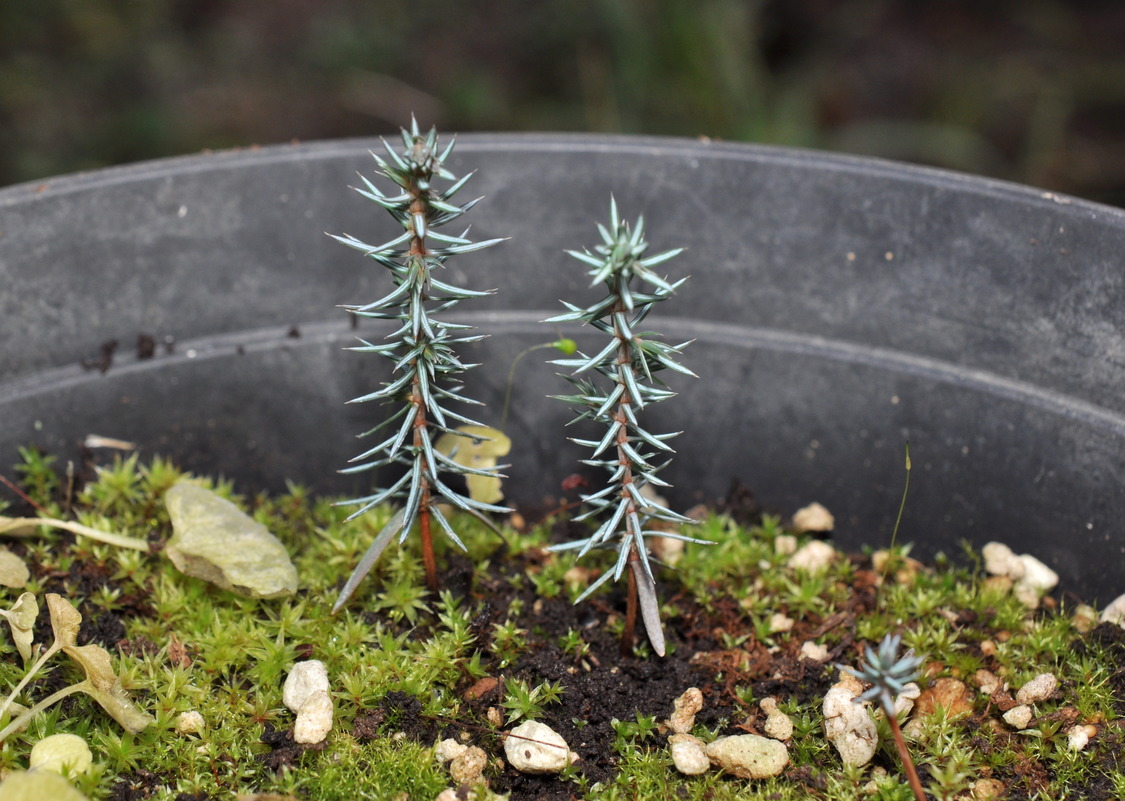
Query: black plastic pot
<point x="840" y="307"/>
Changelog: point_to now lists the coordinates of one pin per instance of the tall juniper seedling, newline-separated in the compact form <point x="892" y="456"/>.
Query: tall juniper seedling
<point x="423" y="381"/>
<point x="613" y="388"/>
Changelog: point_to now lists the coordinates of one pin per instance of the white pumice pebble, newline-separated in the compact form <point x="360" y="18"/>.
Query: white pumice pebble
<point x="1037" y="575"/>
<point x="468" y="766"/>
<point x="812" y="556"/>
<point x="688" y="755"/>
<point x="914" y="729"/>
<point x="534" y="747"/>
<point x="780" y="623"/>
<point x="190" y="723"/>
<point x="987" y="681"/>
<point x="304" y="679"/>
<point x="814" y="517"/>
<point x="1085" y="618"/>
<point x="314" y="719"/>
<point x="1037" y="581"/>
<point x="748" y="756"/>
<point x="904" y="701"/>
<point x="1032" y="579"/>
<point x="448" y="750"/>
<point x="65" y="754"/>
<point x="1078" y="737"/>
<point x="685" y="708"/>
<point x="1115" y="612"/>
<point x="1000" y="560"/>
<point x="848" y="725"/>
<point x="814" y="651"/>
<point x="1038" y="689"/>
<point x="1018" y="717"/>
<point x="987" y="790"/>
<point x="785" y="544"/>
<point x="667" y="549"/>
<point x="778" y="725"/>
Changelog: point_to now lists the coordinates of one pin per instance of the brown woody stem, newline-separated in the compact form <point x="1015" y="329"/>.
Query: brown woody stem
<point x="418" y="249"/>
<point x="904" y="755"/>
<point x="628" y="634"/>
<point x="427" y="542"/>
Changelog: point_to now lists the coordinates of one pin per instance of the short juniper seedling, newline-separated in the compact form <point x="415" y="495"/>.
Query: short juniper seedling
<point x="888" y="675"/>
<point x="422" y="349"/>
<point x="613" y="388"/>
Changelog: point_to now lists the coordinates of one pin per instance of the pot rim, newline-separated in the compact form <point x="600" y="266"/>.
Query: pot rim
<point x="552" y="142"/>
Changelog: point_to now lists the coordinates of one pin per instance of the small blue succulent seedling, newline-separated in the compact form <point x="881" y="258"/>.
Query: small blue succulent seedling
<point x="423" y="380"/>
<point x="888" y="674"/>
<point x="613" y="387"/>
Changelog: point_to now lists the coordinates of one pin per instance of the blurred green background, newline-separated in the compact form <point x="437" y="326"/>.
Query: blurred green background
<point x="1027" y="90"/>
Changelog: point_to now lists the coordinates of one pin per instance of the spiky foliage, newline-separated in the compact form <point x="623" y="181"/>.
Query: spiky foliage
<point x="421" y="349"/>
<point x="613" y="387"/>
<point x="888" y="674"/>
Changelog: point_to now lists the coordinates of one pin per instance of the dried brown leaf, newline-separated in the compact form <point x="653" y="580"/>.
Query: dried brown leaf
<point x="13" y="570"/>
<point x="21" y="618"/>
<point x="104" y="687"/>
<point x="27" y="526"/>
<point x="95" y="661"/>
<point x="18" y="526"/>
<point x="65" y="620"/>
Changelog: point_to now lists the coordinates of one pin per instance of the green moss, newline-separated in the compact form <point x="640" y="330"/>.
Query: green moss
<point x="193" y="647"/>
<point x="382" y="768"/>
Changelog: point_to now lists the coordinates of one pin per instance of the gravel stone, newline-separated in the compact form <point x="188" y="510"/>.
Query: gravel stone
<point x="778" y="726"/>
<point x="814" y="517"/>
<point x="1018" y="717"/>
<point x="812" y="556"/>
<point x="1000" y="560"/>
<point x="685" y="708"/>
<point x="543" y="751"/>
<point x="304" y="679"/>
<point x="1038" y="689"/>
<point x="848" y="725"/>
<point x="1115" y="612"/>
<point x="190" y="723"/>
<point x="467" y="767"/>
<point x="688" y="755"/>
<point x="748" y="756"/>
<point x="314" y="719"/>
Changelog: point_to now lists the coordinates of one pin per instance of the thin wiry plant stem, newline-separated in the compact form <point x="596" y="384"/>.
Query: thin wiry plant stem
<point x="20" y="722"/>
<point x="888" y="674"/>
<point x="904" y="755"/>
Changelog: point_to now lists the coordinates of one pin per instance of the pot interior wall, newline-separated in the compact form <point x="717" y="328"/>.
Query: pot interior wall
<point x="839" y="308"/>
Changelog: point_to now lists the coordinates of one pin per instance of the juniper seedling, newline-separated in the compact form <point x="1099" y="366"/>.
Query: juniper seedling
<point x="422" y="349"/>
<point x="613" y="388"/>
<point x="888" y="675"/>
